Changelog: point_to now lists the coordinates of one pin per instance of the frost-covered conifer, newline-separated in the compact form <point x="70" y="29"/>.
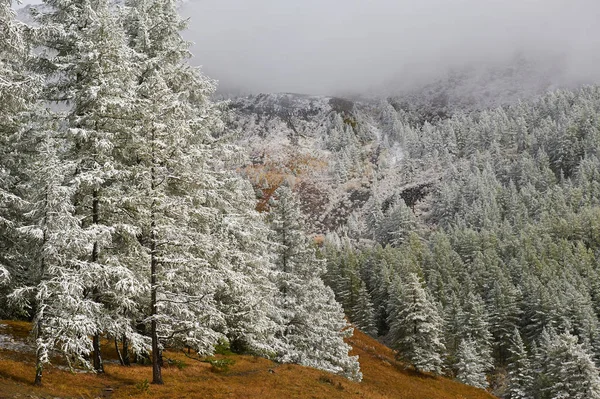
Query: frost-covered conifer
<point x="568" y="370"/>
<point x="246" y="295"/>
<point x="50" y="279"/>
<point x="475" y="324"/>
<point x="207" y="263"/>
<point x="314" y="327"/>
<point x="520" y="378"/>
<point x="91" y="75"/>
<point x="19" y="88"/>
<point x="174" y="189"/>
<point x="415" y="326"/>
<point x="504" y="316"/>
<point x="470" y="366"/>
<point x="397" y="223"/>
<point x="453" y="327"/>
<point x="363" y="313"/>
<point x="63" y="317"/>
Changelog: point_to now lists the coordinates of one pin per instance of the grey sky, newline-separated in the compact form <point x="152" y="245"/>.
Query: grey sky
<point x="329" y="46"/>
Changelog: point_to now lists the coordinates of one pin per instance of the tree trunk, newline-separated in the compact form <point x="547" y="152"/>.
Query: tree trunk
<point x="121" y="361"/>
<point x="98" y="365"/>
<point x="126" y="360"/>
<point x="39" y="366"/>
<point x="156" y="355"/>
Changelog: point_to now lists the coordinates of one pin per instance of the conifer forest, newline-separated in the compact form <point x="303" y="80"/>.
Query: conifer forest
<point x="141" y="206"/>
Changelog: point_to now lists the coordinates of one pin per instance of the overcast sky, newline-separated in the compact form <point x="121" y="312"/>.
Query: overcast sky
<point x="332" y="46"/>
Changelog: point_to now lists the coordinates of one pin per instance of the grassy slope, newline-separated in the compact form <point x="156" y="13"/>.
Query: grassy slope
<point x="249" y="377"/>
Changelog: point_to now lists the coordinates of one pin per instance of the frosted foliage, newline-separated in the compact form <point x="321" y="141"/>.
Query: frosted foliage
<point x="213" y="273"/>
<point x="470" y="368"/>
<point x="314" y="326"/>
<point x="475" y="324"/>
<point x="64" y="317"/>
<point x="4" y="276"/>
<point x="363" y="314"/>
<point x="569" y="369"/>
<point x="16" y="85"/>
<point x="18" y="89"/>
<point x="246" y="296"/>
<point x="415" y="325"/>
<point x="520" y="379"/>
<point x="88" y="257"/>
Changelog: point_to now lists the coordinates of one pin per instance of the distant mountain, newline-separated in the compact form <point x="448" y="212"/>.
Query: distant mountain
<point x="339" y="152"/>
<point x="482" y="87"/>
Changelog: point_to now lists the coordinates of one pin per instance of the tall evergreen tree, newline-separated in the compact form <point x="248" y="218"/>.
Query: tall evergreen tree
<point x="470" y="366"/>
<point x="313" y="322"/>
<point x="90" y="73"/>
<point x="19" y="89"/>
<point x="415" y="326"/>
<point x="177" y="196"/>
<point x="64" y="317"/>
<point x="363" y="314"/>
<point x="520" y="378"/>
<point x="475" y="325"/>
<point x="569" y="370"/>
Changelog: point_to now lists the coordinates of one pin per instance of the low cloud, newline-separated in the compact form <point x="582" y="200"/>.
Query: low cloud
<point x="332" y="46"/>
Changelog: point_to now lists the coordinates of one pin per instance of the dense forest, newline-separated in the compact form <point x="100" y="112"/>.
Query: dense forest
<point x="495" y="271"/>
<point x="466" y="239"/>
<point x="120" y="214"/>
<point x="136" y="208"/>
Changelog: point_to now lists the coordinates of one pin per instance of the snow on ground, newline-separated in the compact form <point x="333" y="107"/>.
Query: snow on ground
<point x="8" y="342"/>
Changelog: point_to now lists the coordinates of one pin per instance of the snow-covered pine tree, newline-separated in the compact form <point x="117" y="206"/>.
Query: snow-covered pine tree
<point x="363" y="314"/>
<point x="504" y="316"/>
<point x="520" y="378"/>
<point x="397" y="223"/>
<point x="63" y="316"/>
<point x="19" y="88"/>
<point x="246" y="295"/>
<point x="415" y="325"/>
<point x="90" y="73"/>
<point x="208" y="269"/>
<point x="475" y="324"/>
<point x="4" y="276"/>
<point x="374" y="215"/>
<point x="470" y="366"/>
<point x="569" y="371"/>
<point x="342" y="274"/>
<point x="314" y="327"/>
<point x="44" y="202"/>
<point x="453" y="328"/>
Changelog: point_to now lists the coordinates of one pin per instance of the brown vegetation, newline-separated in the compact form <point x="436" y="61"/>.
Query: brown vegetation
<point x="247" y="377"/>
<point x="268" y="174"/>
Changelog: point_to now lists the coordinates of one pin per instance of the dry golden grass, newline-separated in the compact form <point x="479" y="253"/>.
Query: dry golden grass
<point x="248" y="377"/>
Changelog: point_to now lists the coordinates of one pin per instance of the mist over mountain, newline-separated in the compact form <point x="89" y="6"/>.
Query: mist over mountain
<point x="333" y="48"/>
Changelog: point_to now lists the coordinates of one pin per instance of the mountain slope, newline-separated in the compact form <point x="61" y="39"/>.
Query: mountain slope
<point x="247" y="377"/>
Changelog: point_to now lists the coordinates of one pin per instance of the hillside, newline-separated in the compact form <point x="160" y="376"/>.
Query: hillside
<point x="495" y="210"/>
<point x="328" y="148"/>
<point x="339" y="152"/>
<point x="248" y="377"/>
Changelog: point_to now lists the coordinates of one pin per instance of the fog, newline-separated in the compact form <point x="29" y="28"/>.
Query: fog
<point x="343" y="46"/>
